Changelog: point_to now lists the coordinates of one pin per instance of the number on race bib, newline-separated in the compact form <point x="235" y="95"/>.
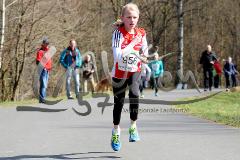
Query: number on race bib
<point x="129" y="63"/>
<point x="124" y="59"/>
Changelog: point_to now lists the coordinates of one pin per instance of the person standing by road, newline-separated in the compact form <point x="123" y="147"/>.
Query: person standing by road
<point x="71" y="60"/>
<point x="207" y="60"/>
<point x="43" y="59"/>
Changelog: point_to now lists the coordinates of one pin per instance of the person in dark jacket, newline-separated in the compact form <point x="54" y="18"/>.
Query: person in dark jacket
<point x="207" y="60"/>
<point x="230" y="72"/>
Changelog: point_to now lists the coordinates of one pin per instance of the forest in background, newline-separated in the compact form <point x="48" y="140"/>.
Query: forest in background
<point x="215" y="22"/>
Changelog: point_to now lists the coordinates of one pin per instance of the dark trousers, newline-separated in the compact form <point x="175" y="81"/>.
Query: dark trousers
<point x="155" y="81"/>
<point x="208" y="78"/>
<point x="143" y="84"/>
<point x="216" y="81"/>
<point x="119" y="89"/>
<point x="233" y="78"/>
<point x="151" y="83"/>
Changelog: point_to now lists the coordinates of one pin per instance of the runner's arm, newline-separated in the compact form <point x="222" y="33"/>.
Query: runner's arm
<point x="145" y="46"/>
<point x="148" y="71"/>
<point x="116" y="44"/>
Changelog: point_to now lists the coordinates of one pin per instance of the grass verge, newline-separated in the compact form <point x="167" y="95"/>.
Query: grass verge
<point x="223" y="108"/>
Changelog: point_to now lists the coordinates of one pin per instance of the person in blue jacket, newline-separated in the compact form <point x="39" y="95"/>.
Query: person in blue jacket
<point x="157" y="71"/>
<point x="71" y="60"/>
<point x="230" y="72"/>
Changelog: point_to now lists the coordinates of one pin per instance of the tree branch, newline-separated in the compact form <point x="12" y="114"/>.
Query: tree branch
<point x="11" y="4"/>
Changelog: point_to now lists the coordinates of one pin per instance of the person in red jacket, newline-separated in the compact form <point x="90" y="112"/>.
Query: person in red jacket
<point x="217" y="73"/>
<point x="44" y="60"/>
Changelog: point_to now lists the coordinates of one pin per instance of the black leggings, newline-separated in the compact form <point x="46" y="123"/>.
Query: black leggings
<point x="155" y="81"/>
<point x="142" y="84"/>
<point x="119" y="96"/>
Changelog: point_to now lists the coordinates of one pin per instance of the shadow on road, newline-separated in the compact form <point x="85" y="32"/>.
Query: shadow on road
<point x="65" y="156"/>
<point x="38" y="109"/>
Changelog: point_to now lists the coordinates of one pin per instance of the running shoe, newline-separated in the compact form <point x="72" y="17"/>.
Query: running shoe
<point x="115" y="141"/>
<point x="133" y="135"/>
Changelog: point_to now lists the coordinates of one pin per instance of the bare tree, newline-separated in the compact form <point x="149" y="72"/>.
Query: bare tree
<point x="2" y="21"/>
<point x="180" y="35"/>
<point x="20" y="40"/>
<point x="25" y="22"/>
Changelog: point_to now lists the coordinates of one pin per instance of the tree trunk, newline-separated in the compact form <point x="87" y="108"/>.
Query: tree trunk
<point x="180" y="36"/>
<point x="2" y="21"/>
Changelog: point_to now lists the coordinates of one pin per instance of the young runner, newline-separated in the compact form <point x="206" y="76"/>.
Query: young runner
<point x="127" y="41"/>
<point x="157" y="71"/>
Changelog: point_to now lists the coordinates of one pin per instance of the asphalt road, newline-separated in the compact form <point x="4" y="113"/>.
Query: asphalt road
<point x="166" y="134"/>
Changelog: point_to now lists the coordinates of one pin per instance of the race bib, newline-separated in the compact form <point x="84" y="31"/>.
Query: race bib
<point x="129" y="63"/>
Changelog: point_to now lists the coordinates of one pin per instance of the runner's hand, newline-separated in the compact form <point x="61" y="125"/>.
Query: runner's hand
<point x="144" y="59"/>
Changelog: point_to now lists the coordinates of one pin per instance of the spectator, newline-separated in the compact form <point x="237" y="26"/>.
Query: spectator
<point x="45" y="61"/>
<point x="71" y="60"/>
<point x="217" y="73"/>
<point x="230" y="72"/>
<point x="88" y="70"/>
<point x="207" y="60"/>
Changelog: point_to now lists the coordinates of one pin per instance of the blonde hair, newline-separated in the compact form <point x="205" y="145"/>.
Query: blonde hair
<point x="130" y="7"/>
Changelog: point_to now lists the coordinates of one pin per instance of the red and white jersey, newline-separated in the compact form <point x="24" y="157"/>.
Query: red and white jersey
<point x="126" y="49"/>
